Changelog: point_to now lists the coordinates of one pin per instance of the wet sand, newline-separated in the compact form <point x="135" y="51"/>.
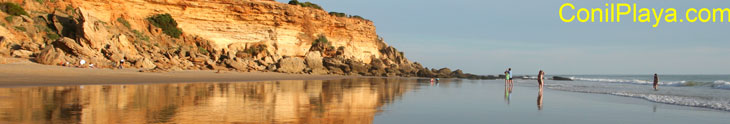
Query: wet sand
<point x="16" y="73"/>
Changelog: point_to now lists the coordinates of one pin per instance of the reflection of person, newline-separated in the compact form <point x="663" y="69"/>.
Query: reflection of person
<point x="507" y="91"/>
<point x="656" y="81"/>
<point x="539" y="99"/>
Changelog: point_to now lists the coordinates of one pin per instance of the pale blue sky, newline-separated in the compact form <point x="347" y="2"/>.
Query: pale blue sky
<point x="485" y="37"/>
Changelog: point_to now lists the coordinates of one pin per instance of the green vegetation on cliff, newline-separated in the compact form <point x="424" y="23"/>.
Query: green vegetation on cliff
<point x="167" y="23"/>
<point x="140" y="37"/>
<point x="358" y="17"/>
<point x="20" y="28"/>
<point x="339" y="14"/>
<point x="124" y="22"/>
<point x="9" y="18"/>
<point x="305" y="4"/>
<point x="256" y="49"/>
<point x="321" y="40"/>
<point x="312" y="5"/>
<point x="12" y="9"/>
<point x="203" y="50"/>
<point x="323" y="45"/>
<point x="44" y="1"/>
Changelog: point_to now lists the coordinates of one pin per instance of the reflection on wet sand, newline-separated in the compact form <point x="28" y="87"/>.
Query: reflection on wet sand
<point x="338" y="101"/>
<point x="507" y="91"/>
<point x="539" y="99"/>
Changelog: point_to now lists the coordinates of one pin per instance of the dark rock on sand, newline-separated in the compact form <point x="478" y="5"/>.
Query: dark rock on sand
<point x="562" y="78"/>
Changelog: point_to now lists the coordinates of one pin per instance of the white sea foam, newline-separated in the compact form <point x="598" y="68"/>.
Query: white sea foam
<point x="721" y="84"/>
<point x="694" y="101"/>
<point x="680" y="100"/>
<point x="632" y="81"/>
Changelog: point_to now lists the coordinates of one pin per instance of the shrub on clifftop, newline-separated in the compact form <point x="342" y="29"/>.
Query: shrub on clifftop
<point x="338" y="14"/>
<point x="293" y="2"/>
<point x="12" y="9"/>
<point x="167" y="23"/>
<point x="305" y="4"/>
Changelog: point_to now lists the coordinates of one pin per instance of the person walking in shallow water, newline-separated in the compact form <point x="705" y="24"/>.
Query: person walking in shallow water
<point x="656" y="81"/>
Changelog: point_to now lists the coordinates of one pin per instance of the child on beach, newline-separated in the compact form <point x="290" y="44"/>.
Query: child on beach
<point x="506" y="78"/>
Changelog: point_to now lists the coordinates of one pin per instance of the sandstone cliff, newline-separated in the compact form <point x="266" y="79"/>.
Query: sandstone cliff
<point x="230" y="24"/>
<point x="242" y="35"/>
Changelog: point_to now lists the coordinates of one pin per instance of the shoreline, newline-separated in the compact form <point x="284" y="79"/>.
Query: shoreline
<point x="23" y="73"/>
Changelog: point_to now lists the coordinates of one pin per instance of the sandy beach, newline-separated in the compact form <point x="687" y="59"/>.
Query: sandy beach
<point x="18" y="72"/>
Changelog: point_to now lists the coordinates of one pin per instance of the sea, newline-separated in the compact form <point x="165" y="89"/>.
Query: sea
<point x="705" y="91"/>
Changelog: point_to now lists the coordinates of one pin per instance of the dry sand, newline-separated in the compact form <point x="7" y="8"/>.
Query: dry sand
<point x="16" y="72"/>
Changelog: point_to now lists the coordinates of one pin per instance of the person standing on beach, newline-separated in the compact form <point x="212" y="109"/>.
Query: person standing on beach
<point x="506" y="78"/>
<point x="121" y="64"/>
<point x="540" y="82"/>
<point x="656" y="81"/>
<point x="541" y="79"/>
<point x="509" y="74"/>
<point x="82" y="62"/>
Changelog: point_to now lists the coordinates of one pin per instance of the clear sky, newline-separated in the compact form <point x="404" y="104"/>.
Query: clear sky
<point x="486" y="36"/>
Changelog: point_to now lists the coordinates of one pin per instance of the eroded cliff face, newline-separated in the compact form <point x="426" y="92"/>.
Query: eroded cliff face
<point x="231" y="24"/>
<point x="224" y="35"/>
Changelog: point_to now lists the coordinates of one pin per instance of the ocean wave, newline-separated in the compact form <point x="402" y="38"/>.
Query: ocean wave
<point x="721" y="84"/>
<point x="642" y="82"/>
